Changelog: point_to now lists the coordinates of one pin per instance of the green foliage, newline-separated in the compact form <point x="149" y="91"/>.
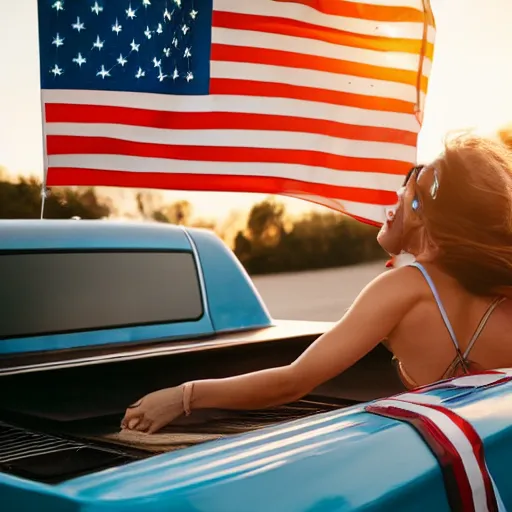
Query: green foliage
<point x="22" y="200"/>
<point x="319" y="240"/>
<point x="269" y="243"/>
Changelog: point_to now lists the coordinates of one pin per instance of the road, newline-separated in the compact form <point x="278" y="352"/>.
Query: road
<point x="315" y="295"/>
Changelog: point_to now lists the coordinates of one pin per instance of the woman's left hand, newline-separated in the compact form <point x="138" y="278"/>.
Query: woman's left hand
<point x="154" y="411"/>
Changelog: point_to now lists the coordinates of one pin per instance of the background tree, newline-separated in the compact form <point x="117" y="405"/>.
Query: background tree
<point x="22" y="200"/>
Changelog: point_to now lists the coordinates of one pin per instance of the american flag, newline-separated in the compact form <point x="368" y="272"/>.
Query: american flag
<point x="317" y="99"/>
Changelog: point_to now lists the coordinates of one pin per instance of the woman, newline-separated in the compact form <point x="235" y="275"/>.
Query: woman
<point x="445" y="315"/>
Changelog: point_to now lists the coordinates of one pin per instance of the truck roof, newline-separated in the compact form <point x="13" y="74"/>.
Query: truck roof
<point x="97" y="283"/>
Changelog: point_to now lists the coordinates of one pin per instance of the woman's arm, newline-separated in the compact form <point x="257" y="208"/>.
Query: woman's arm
<point x="373" y="316"/>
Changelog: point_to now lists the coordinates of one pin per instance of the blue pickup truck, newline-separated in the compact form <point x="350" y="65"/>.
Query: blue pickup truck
<point x="95" y="314"/>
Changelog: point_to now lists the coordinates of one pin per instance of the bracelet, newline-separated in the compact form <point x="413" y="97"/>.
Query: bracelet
<point x="188" y="388"/>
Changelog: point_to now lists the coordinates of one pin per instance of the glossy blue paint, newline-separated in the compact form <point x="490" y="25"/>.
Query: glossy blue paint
<point x="320" y="464"/>
<point x="146" y="333"/>
<point x="230" y="299"/>
<point x="86" y="234"/>
<point x="347" y="460"/>
<point x="233" y="299"/>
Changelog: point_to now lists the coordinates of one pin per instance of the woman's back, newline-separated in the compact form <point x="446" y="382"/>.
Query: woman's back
<point x="481" y="327"/>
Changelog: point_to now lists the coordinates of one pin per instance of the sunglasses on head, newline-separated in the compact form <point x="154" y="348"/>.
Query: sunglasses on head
<point x="415" y="171"/>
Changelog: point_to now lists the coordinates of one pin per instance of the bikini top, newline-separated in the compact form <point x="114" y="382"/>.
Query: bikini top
<point x="461" y="365"/>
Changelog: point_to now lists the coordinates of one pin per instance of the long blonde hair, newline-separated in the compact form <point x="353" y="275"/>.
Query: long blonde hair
<point x="470" y="219"/>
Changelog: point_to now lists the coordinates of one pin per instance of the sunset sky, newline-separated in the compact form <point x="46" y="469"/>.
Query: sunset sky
<point x="471" y="86"/>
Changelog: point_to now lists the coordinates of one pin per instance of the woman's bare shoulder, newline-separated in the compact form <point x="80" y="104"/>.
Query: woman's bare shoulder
<point x="407" y="278"/>
<point x="404" y="286"/>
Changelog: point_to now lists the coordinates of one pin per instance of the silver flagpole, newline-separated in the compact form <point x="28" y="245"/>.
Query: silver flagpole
<point x="44" y="191"/>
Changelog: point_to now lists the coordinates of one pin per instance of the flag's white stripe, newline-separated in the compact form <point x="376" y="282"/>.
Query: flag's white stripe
<point x="310" y="174"/>
<point x="303" y="13"/>
<point x="420" y="398"/>
<point x="459" y="441"/>
<point x="237" y="104"/>
<point x="239" y="138"/>
<point x="268" y="41"/>
<point x="372" y="212"/>
<point x="311" y="78"/>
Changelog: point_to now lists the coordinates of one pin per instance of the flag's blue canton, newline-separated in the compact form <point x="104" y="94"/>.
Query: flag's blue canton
<point x="160" y="46"/>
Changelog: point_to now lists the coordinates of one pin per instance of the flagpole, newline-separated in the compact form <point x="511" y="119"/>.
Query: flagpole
<point x="44" y="191"/>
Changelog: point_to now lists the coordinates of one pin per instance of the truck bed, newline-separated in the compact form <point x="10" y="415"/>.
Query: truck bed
<point x="62" y="422"/>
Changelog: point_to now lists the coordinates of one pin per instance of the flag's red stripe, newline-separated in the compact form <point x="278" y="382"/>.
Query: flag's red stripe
<point x="65" y="176"/>
<point x="329" y="205"/>
<point x="65" y="113"/>
<point x="458" y="488"/>
<point x="289" y="27"/>
<point x="78" y="145"/>
<point x="230" y="53"/>
<point x="382" y="13"/>
<point x="478" y="449"/>
<point x="231" y="86"/>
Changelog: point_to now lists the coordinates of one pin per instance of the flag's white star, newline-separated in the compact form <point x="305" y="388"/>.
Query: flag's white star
<point x="178" y="2"/>
<point x="174" y="42"/>
<point x="121" y="60"/>
<point x="56" y="70"/>
<point x="98" y="43"/>
<point x="78" y="25"/>
<point x="193" y="14"/>
<point x="58" y="5"/>
<point x="189" y="76"/>
<point x="135" y="47"/>
<point x="140" y="73"/>
<point x="167" y="15"/>
<point x="130" y="13"/>
<point x="167" y="52"/>
<point x="161" y="76"/>
<point x="185" y="28"/>
<point x="146" y="3"/>
<point x="147" y="33"/>
<point x="79" y="60"/>
<point x="188" y="52"/>
<point x="58" y="41"/>
<point x="96" y="8"/>
<point x="159" y="29"/>
<point x="117" y="28"/>
<point x="175" y="74"/>
<point x="157" y="63"/>
<point x="103" y="72"/>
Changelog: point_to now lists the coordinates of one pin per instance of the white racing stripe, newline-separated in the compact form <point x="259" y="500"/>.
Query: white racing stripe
<point x="236" y="104"/>
<point x="373" y="181"/>
<point x="261" y="139"/>
<point x="265" y="40"/>
<point x="459" y="441"/>
<point x="321" y="80"/>
<point x="303" y="13"/>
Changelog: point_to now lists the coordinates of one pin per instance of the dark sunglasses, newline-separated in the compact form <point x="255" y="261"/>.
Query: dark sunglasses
<point x="415" y="171"/>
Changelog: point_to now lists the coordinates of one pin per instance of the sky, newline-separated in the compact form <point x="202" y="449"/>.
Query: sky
<point x="470" y="87"/>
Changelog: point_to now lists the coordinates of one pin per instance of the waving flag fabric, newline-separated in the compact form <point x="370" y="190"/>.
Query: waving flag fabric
<point x="317" y="99"/>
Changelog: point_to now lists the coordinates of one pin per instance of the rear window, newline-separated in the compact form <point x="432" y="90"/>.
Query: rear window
<point x="43" y="293"/>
